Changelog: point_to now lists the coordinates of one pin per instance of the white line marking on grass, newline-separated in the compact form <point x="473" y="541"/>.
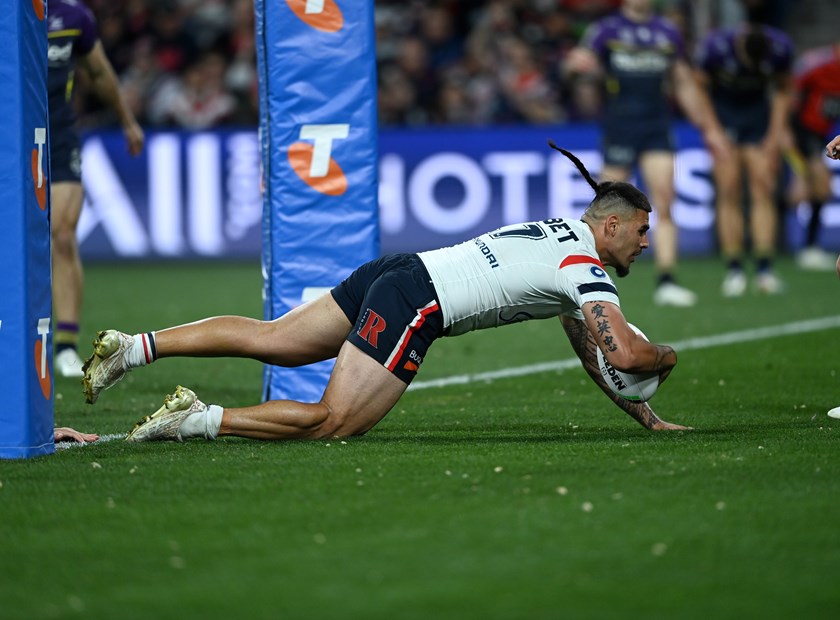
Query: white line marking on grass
<point x="704" y="342"/>
<point x="692" y="344"/>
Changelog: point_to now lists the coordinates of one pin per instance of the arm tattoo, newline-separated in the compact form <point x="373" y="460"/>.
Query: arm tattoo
<point x="587" y="350"/>
<point x="661" y="353"/>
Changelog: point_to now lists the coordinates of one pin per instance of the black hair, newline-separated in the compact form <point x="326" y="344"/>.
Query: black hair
<point x="756" y="45"/>
<point x="608" y="194"/>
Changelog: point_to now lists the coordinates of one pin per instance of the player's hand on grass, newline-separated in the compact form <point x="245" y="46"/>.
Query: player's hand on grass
<point x="68" y="434"/>
<point x="662" y="425"/>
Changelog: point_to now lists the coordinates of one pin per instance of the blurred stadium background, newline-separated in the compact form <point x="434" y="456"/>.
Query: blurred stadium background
<point x="479" y="79"/>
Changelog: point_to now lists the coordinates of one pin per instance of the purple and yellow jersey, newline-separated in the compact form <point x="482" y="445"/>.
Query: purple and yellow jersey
<point x="732" y="80"/>
<point x="71" y="31"/>
<point x="637" y="58"/>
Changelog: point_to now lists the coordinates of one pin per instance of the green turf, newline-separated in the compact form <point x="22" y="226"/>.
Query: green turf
<point x="466" y="501"/>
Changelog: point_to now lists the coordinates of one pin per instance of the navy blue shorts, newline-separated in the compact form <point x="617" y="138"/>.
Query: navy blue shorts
<point x="744" y="123"/>
<point x="65" y="156"/>
<point x="394" y="310"/>
<point x="622" y="144"/>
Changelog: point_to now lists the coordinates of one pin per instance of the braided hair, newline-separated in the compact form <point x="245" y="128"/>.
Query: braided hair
<point x="610" y="196"/>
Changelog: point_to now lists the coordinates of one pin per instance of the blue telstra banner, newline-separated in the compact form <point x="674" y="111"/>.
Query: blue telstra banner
<point x="317" y="68"/>
<point x="197" y="195"/>
<point x="26" y="417"/>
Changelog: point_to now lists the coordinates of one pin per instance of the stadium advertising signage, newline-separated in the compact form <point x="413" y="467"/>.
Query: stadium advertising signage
<point x="26" y="417"/>
<point x="197" y="195"/>
<point x="318" y="132"/>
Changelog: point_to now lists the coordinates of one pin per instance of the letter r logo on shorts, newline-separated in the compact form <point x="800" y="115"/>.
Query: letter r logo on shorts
<point x="372" y="327"/>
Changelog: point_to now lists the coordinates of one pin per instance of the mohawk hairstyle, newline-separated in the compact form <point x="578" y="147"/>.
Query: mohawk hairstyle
<point x="610" y="196"/>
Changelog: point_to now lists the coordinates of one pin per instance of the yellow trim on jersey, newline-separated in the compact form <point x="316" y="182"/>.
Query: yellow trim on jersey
<point x="64" y="33"/>
<point x="618" y="45"/>
<point x="68" y="89"/>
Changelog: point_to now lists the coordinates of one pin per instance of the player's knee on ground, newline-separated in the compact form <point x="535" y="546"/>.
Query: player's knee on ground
<point x="334" y="423"/>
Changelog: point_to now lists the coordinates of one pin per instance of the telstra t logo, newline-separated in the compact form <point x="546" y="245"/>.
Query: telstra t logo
<point x="42" y="367"/>
<point x="38" y="7"/>
<point x="38" y="167"/>
<point x="314" y="164"/>
<point x="323" y="15"/>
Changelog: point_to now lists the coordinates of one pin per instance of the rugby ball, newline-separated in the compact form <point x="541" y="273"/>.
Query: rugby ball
<point x="636" y="387"/>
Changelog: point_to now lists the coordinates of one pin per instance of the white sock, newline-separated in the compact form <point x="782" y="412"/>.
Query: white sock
<point x="143" y="351"/>
<point x="204" y="423"/>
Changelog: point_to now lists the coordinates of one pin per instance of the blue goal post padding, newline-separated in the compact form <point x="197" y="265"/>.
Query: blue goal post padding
<point x="26" y="415"/>
<point x="318" y="137"/>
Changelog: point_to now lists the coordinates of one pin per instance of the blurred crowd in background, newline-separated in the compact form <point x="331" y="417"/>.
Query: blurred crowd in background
<point x="192" y="63"/>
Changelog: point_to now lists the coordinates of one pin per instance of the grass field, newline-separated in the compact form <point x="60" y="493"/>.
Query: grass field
<point x="521" y="497"/>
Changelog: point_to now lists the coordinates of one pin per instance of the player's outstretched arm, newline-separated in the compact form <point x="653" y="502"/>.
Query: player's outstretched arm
<point x="585" y="347"/>
<point x="622" y="347"/>
<point x="695" y="103"/>
<point x="107" y="87"/>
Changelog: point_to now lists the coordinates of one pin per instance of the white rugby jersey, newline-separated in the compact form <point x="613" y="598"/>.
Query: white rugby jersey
<point x="516" y="273"/>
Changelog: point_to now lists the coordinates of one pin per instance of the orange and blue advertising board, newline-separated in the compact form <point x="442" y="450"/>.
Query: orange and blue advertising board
<point x="26" y="415"/>
<point x="319" y="145"/>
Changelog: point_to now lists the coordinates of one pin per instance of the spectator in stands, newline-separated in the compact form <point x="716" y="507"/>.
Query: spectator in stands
<point x="523" y="89"/>
<point x="172" y="43"/>
<point x="524" y="85"/>
<point x="454" y="107"/>
<point x="241" y="75"/>
<point x="397" y="97"/>
<point x="437" y="30"/>
<point x="143" y="79"/>
<point x="414" y="62"/>
<point x="198" y="99"/>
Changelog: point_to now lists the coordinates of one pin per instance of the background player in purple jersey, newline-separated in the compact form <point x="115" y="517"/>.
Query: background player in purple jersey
<point x="380" y="321"/>
<point x="74" y="43"/>
<point x="637" y="53"/>
<point x="747" y="71"/>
